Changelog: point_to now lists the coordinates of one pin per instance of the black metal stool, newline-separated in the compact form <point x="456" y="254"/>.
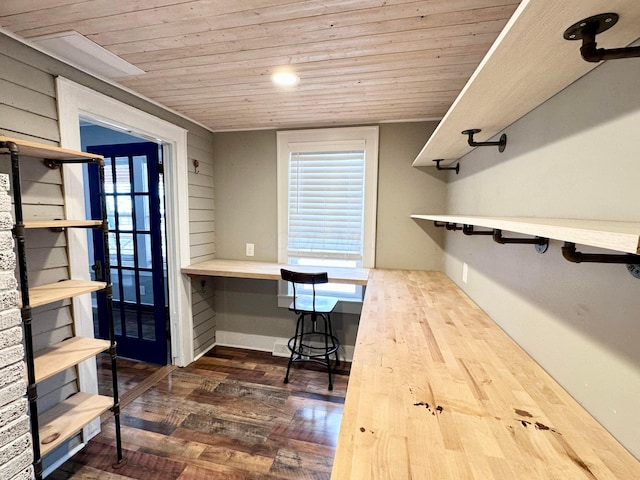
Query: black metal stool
<point x="311" y="343"/>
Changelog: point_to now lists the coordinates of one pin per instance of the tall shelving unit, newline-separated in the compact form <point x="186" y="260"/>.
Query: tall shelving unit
<point x="66" y="419"/>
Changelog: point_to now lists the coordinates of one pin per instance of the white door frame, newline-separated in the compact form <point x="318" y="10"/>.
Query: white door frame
<point x="75" y="101"/>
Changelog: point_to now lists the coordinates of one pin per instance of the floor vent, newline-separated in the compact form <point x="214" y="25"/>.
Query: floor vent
<point x="280" y="350"/>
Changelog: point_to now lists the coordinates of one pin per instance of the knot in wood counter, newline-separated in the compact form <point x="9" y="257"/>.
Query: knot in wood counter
<point x="438" y="391"/>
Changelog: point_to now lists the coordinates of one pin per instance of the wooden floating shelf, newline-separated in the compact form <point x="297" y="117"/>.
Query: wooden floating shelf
<point x="63" y="224"/>
<point x="55" y="292"/>
<point x="618" y="236"/>
<point x="65" y="355"/>
<point x="69" y="417"/>
<point x="271" y="271"/>
<point x="39" y="150"/>
<point x="528" y="64"/>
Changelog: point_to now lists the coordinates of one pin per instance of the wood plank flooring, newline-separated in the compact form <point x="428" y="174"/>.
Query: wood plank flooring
<point x="226" y="416"/>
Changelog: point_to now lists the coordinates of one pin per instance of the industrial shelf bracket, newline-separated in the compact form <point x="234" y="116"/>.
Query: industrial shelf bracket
<point x="447" y="225"/>
<point x="541" y="244"/>
<point x="55" y="163"/>
<point x="452" y="226"/>
<point x="587" y="29"/>
<point x="52" y="164"/>
<point x="469" y="230"/>
<point x="456" y="168"/>
<point x="630" y="260"/>
<point x="501" y="144"/>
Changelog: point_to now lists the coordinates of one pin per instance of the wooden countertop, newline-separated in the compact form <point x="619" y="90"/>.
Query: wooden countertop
<point x="438" y="391"/>
<point x="271" y="271"/>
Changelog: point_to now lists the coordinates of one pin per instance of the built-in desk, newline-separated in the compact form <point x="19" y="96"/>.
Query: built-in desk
<point x="271" y="271"/>
<point x="438" y="391"/>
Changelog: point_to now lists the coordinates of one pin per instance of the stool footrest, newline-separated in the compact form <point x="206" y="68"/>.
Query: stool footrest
<point x="302" y="345"/>
<point x="314" y="341"/>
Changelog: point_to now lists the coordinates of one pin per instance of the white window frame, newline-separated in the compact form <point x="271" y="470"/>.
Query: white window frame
<point x="323" y="139"/>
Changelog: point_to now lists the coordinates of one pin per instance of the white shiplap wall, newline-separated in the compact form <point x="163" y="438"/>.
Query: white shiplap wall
<point x="201" y="238"/>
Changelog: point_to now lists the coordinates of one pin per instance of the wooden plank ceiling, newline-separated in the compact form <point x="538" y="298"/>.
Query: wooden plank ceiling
<point x="359" y="61"/>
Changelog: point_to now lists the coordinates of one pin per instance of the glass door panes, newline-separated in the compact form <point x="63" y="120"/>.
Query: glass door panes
<point x="135" y="211"/>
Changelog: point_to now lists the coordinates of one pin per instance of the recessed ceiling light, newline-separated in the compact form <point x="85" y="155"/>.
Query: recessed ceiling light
<point x="285" y="79"/>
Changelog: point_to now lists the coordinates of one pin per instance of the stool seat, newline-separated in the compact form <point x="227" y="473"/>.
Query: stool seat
<point x="314" y="340"/>
<point x="306" y="303"/>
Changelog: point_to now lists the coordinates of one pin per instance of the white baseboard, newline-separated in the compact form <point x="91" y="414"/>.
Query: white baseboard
<point x="276" y="345"/>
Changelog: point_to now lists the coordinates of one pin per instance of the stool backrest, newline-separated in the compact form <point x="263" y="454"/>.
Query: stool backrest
<point x="304" y="278"/>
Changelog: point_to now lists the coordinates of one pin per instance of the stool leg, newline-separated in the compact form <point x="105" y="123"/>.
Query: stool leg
<point x="333" y="343"/>
<point x="326" y="349"/>
<point x="298" y="336"/>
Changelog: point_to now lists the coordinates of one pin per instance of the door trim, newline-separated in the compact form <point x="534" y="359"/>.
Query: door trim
<point x="75" y="101"/>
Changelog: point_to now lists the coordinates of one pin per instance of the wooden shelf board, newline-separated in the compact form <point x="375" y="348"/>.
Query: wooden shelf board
<point x="619" y="236"/>
<point x="67" y="418"/>
<point x="528" y="64"/>
<point x="33" y="149"/>
<point x="55" y="292"/>
<point x="65" y="355"/>
<point x="63" y="224"/>
<point x="271" y="271"/>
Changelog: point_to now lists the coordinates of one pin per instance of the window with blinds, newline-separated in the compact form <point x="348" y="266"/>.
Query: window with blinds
<point x="327" y="184"/>
<point x="326" y="205"/>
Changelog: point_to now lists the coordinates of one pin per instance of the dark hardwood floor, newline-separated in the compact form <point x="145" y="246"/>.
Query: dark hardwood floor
<point x="226" y="416"/>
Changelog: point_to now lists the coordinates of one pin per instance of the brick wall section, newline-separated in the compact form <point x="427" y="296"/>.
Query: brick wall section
<point x="16" y="454"/>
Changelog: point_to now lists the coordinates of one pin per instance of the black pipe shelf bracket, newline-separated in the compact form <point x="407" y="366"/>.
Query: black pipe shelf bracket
<point x="501" y="144"/>
<point x="447" y="225"/>
<point x="469" y="230"/>
<point x="630" y="260"/>
<point x="54" y="164"/>
<point x="541" y="244"/>
<point x="456" y="168"/>
<point x="587" y="29"/>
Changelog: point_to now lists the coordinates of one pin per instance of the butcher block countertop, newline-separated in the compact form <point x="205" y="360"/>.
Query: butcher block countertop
<point x="438" y="391"/>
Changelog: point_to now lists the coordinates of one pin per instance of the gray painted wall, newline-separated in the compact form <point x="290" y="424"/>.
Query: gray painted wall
<point x="245" y="197"/>
<point x="575" y="156"/>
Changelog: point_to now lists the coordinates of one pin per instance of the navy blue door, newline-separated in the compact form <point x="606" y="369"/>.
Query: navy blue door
<point x="134" y="189"/>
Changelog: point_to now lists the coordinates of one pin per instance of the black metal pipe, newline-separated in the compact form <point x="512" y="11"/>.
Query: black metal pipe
<point x="569" y="253"/>
<point x="590" y="53"/>
<point x="498" y="238"/>
<point x="501" y="143"/>
<point x="456" y="168"/>
<point x="55" y="162"/>
<point x="469" y="230"/>
<point x="19" y="232"/>
<point x="108" y="292"/>
<point x="587" y="30"/>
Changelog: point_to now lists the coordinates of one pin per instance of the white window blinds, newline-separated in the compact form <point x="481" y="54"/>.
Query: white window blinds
<point x="326" y="204"/>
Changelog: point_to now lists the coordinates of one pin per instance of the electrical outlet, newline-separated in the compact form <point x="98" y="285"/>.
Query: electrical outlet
<point x="465" y="272"/>
<point x="249" y="250"/>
